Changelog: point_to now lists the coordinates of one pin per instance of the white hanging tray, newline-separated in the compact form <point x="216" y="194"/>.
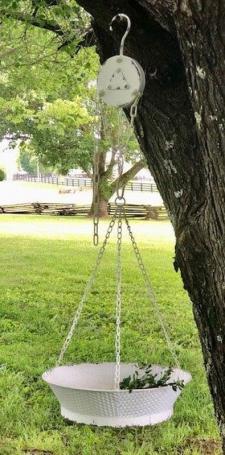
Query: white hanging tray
<point x="86" y="395"/>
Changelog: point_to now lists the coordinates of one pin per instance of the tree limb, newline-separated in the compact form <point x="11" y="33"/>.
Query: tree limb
<point x="33" y="20"/>
<point x="87" y="171"/>
<point x="124" y="179"/>
<point x="86" y="40"/>
<point x="107" y="174"/>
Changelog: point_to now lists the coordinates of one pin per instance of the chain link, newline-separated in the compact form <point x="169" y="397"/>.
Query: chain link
<point x="87" y="289"/>
<point x="120" y="156"/>
<point x="120" y="203"/>
<point x="96" y="198"/>
<point x="96" y="186"/>
<point x="150" y="293"/>
<point x="120" y="163"/>
<point x="120" y="210"/>
<point x="133" y="111"/>
<point x="118" y="299"/>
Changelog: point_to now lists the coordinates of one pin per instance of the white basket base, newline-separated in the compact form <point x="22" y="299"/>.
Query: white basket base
<point x="117" y="422"/>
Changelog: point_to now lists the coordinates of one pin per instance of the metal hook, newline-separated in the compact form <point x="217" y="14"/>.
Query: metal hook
<point x="121" y="16"/>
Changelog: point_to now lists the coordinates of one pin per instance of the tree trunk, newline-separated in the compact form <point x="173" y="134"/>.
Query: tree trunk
<point x="180" y="127"/>
<point x="102" y="207"/>
<point x="106" y="189"/>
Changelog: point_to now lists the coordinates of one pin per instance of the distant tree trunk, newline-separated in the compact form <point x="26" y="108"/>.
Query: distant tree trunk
<point x="107" y="188"/>
<point x="180" y="127"/>
<point x="102" y="208"/>
<point x="100" y="187"/>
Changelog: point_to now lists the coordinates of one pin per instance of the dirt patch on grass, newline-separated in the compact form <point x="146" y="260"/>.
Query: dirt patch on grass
<point x="37" y="452"/>
<point x="204" y="446"/>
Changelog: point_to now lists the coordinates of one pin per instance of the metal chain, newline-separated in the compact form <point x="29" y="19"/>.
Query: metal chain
<point x="133" y="115"/>
<point x="120" y="157"/>
<point x="133" y="111"/>
<point x="118" y="299"/>
<point x="96" y="188"/>
<point x="120" y="203"/>
<point x="150" y="292"/>
<point x="87" y="289"/>
<point x="96" y="197"/>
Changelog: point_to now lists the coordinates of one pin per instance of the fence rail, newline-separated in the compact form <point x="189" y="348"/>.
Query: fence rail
<point x="146" y="212"/>
<point x="82" y="182"/>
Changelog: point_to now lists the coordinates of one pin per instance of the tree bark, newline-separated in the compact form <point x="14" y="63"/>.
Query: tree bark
<point x="127" y="176"/>
<point x="180" y="127"/>
<point x="106" y="189"/>
<point x="102" y="209"/>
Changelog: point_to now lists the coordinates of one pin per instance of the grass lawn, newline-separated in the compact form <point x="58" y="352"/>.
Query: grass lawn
<point x="41" y="281"/>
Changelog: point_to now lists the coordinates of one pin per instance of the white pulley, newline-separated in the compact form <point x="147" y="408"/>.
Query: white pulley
<point x="121" y="80"/>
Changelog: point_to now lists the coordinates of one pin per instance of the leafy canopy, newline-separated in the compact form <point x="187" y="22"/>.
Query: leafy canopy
<point x="47" y="91"/>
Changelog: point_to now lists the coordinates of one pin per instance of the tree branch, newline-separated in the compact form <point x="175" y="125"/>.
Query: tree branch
<point x="107" y="174"/>
<point x="87" y="171"/>
<point x="33" y="20"/>
<point x="124" y="179"/>
<point x="88" y="40"/>
<point x="88" y="37"/>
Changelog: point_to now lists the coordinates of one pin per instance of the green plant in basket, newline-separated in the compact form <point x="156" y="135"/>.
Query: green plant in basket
<point x="144" y="378"/>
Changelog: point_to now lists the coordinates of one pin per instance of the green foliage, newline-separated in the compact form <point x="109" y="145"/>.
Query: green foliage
<point x="40" y="285"/>
<point x="2" y="175"/>
<point x="49" y="98"/>
<point x="66" y="19"/>
<point x="57" y="134"/>
<point x="44" y="93"/>
<point x="27" y="161"/>
<point x="143" y="378"/>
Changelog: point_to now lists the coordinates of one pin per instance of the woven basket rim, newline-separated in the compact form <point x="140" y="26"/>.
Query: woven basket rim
<point x="46" y="378"/>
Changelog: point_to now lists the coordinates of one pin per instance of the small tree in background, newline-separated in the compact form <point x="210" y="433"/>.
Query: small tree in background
<point x="2" y="175"/>
<point x="27" y="161"/>
<point x="99" y="133"/>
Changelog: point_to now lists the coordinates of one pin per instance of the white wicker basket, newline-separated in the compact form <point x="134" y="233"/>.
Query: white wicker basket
<point x="86" y="395"/>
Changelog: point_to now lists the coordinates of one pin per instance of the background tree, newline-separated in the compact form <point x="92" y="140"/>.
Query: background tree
<point x="28" y="161"/>
<point x="49" y="102"/>
<point x="94" y="144"/>
<point x="180" y="127"/>
<point x="2" y="175"/>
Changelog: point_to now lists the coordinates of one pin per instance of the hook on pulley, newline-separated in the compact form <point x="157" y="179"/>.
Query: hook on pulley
<point x="121" y="16"/>
<point x="121" y="80"/>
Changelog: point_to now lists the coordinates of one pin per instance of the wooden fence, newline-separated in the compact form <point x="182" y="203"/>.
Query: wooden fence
<point x="82" y="182"/>
<point x="133" y="210"/>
